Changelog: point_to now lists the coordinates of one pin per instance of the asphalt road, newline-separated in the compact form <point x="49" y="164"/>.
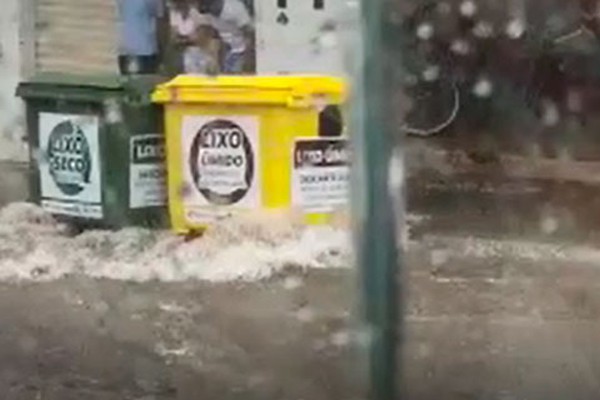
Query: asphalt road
<point x="494" y="311"/>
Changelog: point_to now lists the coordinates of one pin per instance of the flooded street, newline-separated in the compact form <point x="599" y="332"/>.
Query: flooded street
<point x="444" y="152"/>
<point x="490" y="315"/>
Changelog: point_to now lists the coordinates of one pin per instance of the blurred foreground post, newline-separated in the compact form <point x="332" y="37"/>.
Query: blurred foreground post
<point x="374" y="207"/>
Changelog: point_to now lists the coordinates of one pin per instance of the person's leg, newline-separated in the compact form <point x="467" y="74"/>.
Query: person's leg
<point x="123" y="62"/>
<point x="148" y="65"/>
<point x="233" y="62"/>
<point x="195" y="61"/>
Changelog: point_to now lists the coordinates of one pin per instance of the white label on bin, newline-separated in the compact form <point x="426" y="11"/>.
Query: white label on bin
<point x="221" y="163"/>
<point x="81" y="210"/>
<point x="147" y="172"/>
<point x="69" y="164"/>
<point x="321" y="175"/>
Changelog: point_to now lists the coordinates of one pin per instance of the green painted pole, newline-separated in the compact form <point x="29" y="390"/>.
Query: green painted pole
<point x="374" y="205"/>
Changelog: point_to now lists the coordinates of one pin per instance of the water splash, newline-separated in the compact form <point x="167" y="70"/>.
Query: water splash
<point x="32" y="247"/>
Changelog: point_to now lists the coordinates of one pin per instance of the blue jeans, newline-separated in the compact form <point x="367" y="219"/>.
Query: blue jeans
<point x="233" y="62"/>
<point x="138" y="65"/>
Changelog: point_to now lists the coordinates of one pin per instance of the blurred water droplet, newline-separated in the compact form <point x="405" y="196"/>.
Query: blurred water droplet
<point x="396" y="173"/>
<point x="425" y="31"/>
<point x="460" y="46"/>
<point x="515" y="28"/>
<point x="549" y="225"/>
<point x="410" y="80"/>
<point x="305" y="314"/>
<point x="112" y="194"/>
<point x="133" y="66"/>
<point x="550" y="113"/>
<point x="565" y="154"/>
<point x="439" y="257"/>
<point x="468" y="8"/>
<point x="292" y="283"/>
<point x="483" y="30"/>
<point x="483" y="88"/>
<point x="40" y="156"/>
<point x="340" y="339"/>
<point x="363" y="337"/>
<point x="431" y="73"/>
<point x="328" y="40"/>
<point x="112" y="111"/>
<point x="353" y="4"/>
<point x="101" y="307"/>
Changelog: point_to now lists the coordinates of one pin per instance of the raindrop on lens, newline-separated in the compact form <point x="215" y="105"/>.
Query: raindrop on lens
<point x="112" y="112"/>
<point x="515" y="29"/>
<point x="341" y="339"/>
<point x="431" y="73"/>
<point x="549" y="225"/>
<point x="550" y="114"/>
<point x="40" y="156"/>
<point x="425" y="31"/>
<point x="483" y="30"/>
<point x="483" y="88"/>
<point x="468" y="8"/>
<point x="439" y="257"/>
<point x="133" y="66"/>
<point x="305" y="314"/>
<point x="352" y="4"/>
<point x="460" y="46"/>
<point x="328" y="40"/>
<point x="292" y="283"/>
<point x="410" y="80"/>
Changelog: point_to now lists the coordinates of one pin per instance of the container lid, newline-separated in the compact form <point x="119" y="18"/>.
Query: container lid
<point x="91" y="87"/>
<point x="290" y="91"/>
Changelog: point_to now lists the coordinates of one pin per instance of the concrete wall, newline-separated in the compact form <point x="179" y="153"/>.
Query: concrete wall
<point x="12" y="127"/>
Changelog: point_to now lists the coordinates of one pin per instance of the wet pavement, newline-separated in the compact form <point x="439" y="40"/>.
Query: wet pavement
<point x="503" y="303"/>
<point x="13" y="182"/>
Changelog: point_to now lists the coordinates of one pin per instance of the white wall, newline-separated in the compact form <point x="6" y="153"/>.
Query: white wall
<point x="310" y="42"/>
<point x="12" y="123"/>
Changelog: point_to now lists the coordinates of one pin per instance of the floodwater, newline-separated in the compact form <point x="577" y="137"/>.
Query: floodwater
<point x="492" y="312"/>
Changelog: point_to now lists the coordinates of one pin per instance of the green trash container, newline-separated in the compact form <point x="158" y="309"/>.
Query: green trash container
<point x="97" y="149"/>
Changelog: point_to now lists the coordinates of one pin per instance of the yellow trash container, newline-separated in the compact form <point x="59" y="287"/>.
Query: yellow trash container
<point x="246" y="143"/>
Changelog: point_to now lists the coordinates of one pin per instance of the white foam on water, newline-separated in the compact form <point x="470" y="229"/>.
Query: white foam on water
<point x="34" y="247"/>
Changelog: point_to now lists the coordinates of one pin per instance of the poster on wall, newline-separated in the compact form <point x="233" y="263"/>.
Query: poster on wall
<point x="221" y="164"/>
<point x="70" y="170"/>
<point x="321" y="175"/>
<point x="147" y="171"/>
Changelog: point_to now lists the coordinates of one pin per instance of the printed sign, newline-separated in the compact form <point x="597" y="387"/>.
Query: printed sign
<point x="221" y="164"/>
<point x="321" y="174"/>
<point x="70" y="165"/>
<point x="147" y="172"/>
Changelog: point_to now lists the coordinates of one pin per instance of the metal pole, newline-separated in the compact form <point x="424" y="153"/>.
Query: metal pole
<point x="377" y="221"/>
